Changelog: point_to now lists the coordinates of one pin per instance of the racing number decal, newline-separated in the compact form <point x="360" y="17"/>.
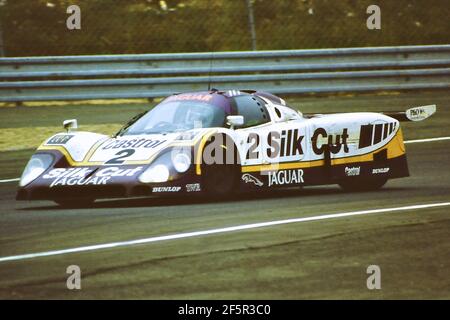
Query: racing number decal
<point x="121" y="155"/>
<point x="253" y="141"/>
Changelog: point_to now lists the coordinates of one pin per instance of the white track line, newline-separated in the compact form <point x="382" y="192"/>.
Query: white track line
<point x="216" y="231"/>
<point x="408" y="141"/>
<point x="9" y="180"/>
<point x="427" y="140"/>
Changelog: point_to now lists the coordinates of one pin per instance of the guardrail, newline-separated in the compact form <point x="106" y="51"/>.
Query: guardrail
<point x="287" y="71"/>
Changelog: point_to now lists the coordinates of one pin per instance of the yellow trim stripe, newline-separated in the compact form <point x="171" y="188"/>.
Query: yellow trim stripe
<point x="198" y="156"/>
<point x="62" y="150"/>
<point x="93" y="149"/>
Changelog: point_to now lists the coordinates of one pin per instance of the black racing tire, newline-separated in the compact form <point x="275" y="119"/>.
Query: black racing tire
<point x="357" y="184"/>
<point x="221" y="180"/>
<point x="75" y="203"/>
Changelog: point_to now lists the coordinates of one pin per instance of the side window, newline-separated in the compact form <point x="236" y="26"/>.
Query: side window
<point x="253" y="110"/>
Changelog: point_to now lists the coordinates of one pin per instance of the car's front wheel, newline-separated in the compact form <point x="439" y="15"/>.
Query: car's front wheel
<point x="219" y="180"/>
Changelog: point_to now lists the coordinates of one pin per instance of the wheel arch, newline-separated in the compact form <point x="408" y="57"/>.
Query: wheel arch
<point x="227" y="135"/>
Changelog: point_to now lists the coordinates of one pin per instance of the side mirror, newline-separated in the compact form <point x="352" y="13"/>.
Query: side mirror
<point x="70" y="124"/>
<point x="235" y="121"/>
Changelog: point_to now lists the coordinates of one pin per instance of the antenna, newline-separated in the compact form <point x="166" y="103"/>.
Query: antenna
<point x="212" y="56"/>
<point x="210" y="70"/>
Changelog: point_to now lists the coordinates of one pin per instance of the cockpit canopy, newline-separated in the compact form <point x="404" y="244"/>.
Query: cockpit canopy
<point x="183" y="112"/>
<point x="177" y="116"/>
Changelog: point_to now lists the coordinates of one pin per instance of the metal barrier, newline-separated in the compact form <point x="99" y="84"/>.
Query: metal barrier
<point x="287" y="71"/>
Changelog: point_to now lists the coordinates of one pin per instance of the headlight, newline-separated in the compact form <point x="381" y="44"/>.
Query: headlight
<point x="181" y="161"/>
<point x="168" y="166"/>
<point x="158" y="173"/>
<point x="35" y="167"/>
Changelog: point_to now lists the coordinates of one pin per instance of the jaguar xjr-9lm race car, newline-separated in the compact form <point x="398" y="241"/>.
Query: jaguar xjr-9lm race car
<point x="219" y="142"/>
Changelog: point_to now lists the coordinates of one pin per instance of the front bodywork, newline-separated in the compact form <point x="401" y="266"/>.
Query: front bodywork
<point x="110" y="167"/>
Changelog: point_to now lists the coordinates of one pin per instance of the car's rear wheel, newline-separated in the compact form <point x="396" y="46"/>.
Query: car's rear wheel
<point x="75" y="203"/>
<point x="355" y="184"/>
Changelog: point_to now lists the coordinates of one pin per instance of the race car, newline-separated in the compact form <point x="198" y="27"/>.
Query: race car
<point x="219" y="143"/>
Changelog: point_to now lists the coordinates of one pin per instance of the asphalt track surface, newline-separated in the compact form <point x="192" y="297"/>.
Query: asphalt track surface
<point x="310" y="259"/>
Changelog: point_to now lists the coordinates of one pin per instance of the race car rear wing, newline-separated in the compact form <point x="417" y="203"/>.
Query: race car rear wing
<point x="413" y="114"/>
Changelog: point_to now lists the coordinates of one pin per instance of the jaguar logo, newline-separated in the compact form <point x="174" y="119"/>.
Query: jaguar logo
<point x="248" y="178"/>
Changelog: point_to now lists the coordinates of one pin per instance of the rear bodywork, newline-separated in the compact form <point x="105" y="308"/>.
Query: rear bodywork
<point x="325" y="149"/>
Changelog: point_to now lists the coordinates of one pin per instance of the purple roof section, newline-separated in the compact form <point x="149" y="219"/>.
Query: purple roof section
<point x="222" y="99"/>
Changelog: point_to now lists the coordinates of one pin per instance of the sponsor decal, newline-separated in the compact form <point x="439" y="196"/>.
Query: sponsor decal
<point x="380" y="170"/>
<point x="334" y="142"/>
<point x="417" y="113"/>
<point x="283" y="177"/>
<point x="166" y="189"/>
<point x="352" y="171"/>
<point x="60" y="139"/>
<point x="117" y="172"/>
<point x="65" y="181"/>
<point x="286" y="143"/>
<point x="198" y="97"/>
<point x="87" y="176"/>
<point x="193" y="187"/>
<point x="248" y="178"/>
<point x="132" y="143"/>
<point x="420" y="113"/>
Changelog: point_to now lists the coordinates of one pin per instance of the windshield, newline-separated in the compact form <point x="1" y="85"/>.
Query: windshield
<point x="178" y="116"/>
